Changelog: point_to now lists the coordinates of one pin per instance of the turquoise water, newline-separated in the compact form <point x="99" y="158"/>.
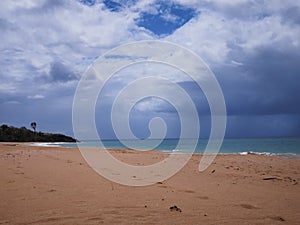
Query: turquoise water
<point x="283" y="147"/>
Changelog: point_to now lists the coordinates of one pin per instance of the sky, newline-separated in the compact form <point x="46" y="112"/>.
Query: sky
<point x="252" y="47"/>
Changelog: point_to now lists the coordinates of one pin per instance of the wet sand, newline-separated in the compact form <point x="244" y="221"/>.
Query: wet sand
<point x="49" y="185"/>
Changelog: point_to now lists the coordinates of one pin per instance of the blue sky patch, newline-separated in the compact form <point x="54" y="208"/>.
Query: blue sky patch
<point x="113" y="6"/>
<point x="166" y="18"/>
<point x="88" y="2"/>
<point x="118" y="5"/>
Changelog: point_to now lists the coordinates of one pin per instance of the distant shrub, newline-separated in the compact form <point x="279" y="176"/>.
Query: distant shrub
<point x="13" y="134"/>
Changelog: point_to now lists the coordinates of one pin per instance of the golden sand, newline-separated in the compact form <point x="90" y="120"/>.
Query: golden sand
<point x="45" y="185"/>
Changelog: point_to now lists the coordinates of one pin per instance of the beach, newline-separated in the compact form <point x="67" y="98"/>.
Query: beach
<point x="54" y="185"/>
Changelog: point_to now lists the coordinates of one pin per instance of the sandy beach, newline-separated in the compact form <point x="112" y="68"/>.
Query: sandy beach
<point x="51" y="185"/>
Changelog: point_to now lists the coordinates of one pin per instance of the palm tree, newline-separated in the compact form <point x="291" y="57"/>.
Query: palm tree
<point x="33" y="125"/>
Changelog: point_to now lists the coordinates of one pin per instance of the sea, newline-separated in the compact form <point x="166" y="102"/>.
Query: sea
<point x="281" y="147"/>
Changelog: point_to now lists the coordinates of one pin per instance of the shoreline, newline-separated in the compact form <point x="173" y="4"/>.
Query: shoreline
<point x="61" y="145"/>
<point x="54" y="185"/>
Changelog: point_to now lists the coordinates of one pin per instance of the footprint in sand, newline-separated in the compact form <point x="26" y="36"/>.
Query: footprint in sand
<point x="248" y="206"/>
<point x="99" y="219"/>
<point x="163" y="186"/>
<point x="203" y="197"/>
<point x="19" y="173"/>
<point x="187" y="191"/>
<point x="277" y="218"/>
<point x="175" y="209"/>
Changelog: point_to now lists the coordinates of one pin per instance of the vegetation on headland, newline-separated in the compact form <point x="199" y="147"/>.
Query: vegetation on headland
<point x="14" y="134"/>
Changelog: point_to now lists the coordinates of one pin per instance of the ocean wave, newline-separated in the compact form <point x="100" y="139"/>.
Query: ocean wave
<point x="47" y="144"/>
<point x="281" y="155"/>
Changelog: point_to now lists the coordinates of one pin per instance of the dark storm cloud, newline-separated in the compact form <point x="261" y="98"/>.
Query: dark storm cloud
<point x="61" y="73"/>
<point x="261" y="91"/>
<point x="292" y="14"/>
<point x="4" y="24"/>
<point x="265" y="83"/>
<point x="276" y="73"/>
<point x="269" y="126"/>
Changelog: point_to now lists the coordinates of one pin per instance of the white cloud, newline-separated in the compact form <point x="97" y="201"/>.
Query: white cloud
<point x="150" y="105"/>
<point x="217" y="31"/>
<point x="37" y="34"/>
<point x="36" y="96"/>
<point x="236" y="63"/>
<point x="7" y="88"/>
<point x="34" y="34"/>
<point x="12" y="103"/>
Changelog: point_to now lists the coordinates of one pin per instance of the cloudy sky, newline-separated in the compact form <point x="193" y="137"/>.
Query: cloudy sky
<point x="252" y="46"/>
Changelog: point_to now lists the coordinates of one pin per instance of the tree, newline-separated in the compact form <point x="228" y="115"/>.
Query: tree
<point x="4" y="127"/>
<point x="33" y="125"/>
